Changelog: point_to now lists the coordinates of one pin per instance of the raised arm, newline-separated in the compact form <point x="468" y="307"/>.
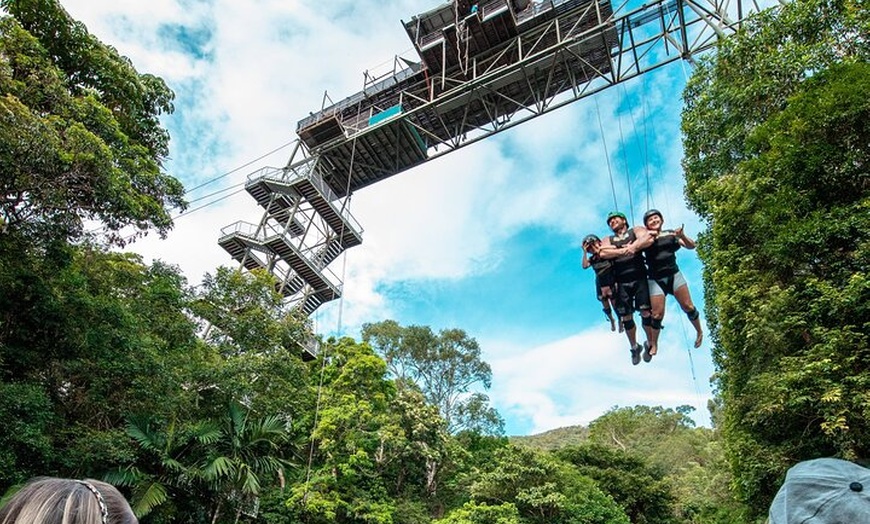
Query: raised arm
<point x="683" y="239"/>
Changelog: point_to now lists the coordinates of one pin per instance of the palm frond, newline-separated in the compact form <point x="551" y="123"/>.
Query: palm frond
<point x="173" y="465"/>
<point x="152" y="496"/>
<point x="237" y="417"/>
<point x="217" y="468"/>
<point x="251" y="484"/>
<point x="140" y="431"/>
<point x="208" y="433"/>
<point x="129" y="476"/>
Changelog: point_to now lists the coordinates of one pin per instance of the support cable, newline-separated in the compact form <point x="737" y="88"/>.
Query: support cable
<point x="345" y="205"/>
<point x="691" y="361"/>
<point x="246" y="164"/>
<point x="132" y="236"/>
<point x="606" y="154"/>
<point x="189" y="211"/>
<point x="100" y="228"/>
<point x="643" y="147"/>
<point x="627" y="170"/>
<point x="649" y="199"/>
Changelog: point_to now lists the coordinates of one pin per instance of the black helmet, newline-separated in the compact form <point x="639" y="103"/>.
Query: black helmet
<point x="614" y="214"/>
<point x="590" y="239"/>
<point x="650" y="213"/>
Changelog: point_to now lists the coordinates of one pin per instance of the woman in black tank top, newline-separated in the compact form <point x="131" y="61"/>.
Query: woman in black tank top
<point x="665" y="277"/>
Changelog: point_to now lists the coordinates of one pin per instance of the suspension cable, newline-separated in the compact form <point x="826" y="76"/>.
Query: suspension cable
<point x="643" y="146"/>
<point x="606" y="154"/>
<point x="627" y="170"/>
<point x="246" y="164"/>
<point x="691" y="361"/>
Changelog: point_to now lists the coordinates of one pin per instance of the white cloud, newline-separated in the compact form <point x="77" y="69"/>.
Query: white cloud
<point x="574" y="380"/>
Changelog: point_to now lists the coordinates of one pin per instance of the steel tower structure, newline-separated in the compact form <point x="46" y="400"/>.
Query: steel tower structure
<point x="479" y="67"/>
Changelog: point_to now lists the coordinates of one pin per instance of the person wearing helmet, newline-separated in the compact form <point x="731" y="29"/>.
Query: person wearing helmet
<point x="624" y="247"/>
<point x="665" y="277"/>
<point x="604" y="282"/>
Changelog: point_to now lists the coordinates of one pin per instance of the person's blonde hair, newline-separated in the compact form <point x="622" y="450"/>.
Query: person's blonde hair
<point x="47" y="500"/>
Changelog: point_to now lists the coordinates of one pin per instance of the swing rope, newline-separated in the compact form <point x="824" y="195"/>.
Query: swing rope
<point x="643" y="146"/>
<point x="625" y="165"/>
<point x="606" y="154"/>
<point x="691" y="361"/>
<point x="644" y="151"/>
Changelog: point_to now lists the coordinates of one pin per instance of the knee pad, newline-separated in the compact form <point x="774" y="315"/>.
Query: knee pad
<point x="656" y="323"/>
<point x="693" y="314"/>
<point x="646" y="321"/>
<point x="628" y="324"/>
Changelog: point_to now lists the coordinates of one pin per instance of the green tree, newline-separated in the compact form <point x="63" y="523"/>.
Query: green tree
<point x="642" y="491"/>
<point x="472" y="513"/>
<point x="469" y="453"/>
<point x="86" y="337"/>
<point x="203" y="470"/>
<point x="654" y="463"/>
<point x="649" y="431"/>
<point x="776" y="140"/>
<point x="544" y="490"/>
<point x="101" y="336"/>
<point x="80" y="136"/>
<point x="246" y="314"/>
<point x="244" y="456"/>
<point x="376" y="449"/>
<point x="345" y="481"/>
<point x="163" y="473"/>
<point x="257" y="337"/>
<point x="446" y="367"/>
<point x="751" y="77"/>
<point x="25" y="435"/>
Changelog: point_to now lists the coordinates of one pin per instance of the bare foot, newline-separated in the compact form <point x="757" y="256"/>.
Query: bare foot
<point x="699" y="339"/>
<point x="653" y="350"/>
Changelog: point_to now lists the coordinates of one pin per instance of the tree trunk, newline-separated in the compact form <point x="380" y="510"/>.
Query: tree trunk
<point x="217" y="512"/>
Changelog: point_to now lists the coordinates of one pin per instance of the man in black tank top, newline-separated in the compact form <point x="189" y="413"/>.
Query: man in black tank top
<point x="665" y="277"/>
<point x="624" y="247"/>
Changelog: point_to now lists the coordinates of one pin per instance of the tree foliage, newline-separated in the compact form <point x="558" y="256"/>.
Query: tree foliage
<point x="777" y="149"/>
<point x="640" y="489"/>
<point x="472" y="513"/>
<point x="373" y="442"/>
<point x="543" y="490"/>
<point x="80" y="136"/>
<point x="446" y="367"/>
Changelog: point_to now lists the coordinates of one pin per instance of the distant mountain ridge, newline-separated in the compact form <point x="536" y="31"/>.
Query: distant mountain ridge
<point x="553" y="439"/>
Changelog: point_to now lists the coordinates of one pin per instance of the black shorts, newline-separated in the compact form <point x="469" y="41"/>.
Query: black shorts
<point x="604" y="281"/>
<point x="631" y="297"/>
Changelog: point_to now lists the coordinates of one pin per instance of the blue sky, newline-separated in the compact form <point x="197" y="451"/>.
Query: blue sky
<point x="485" y="239"/>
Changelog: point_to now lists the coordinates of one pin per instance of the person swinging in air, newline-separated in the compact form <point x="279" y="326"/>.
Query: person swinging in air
<point x="624" y="247"/>
<point x="665" y="277"/>
<point x="604" y="281"/>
